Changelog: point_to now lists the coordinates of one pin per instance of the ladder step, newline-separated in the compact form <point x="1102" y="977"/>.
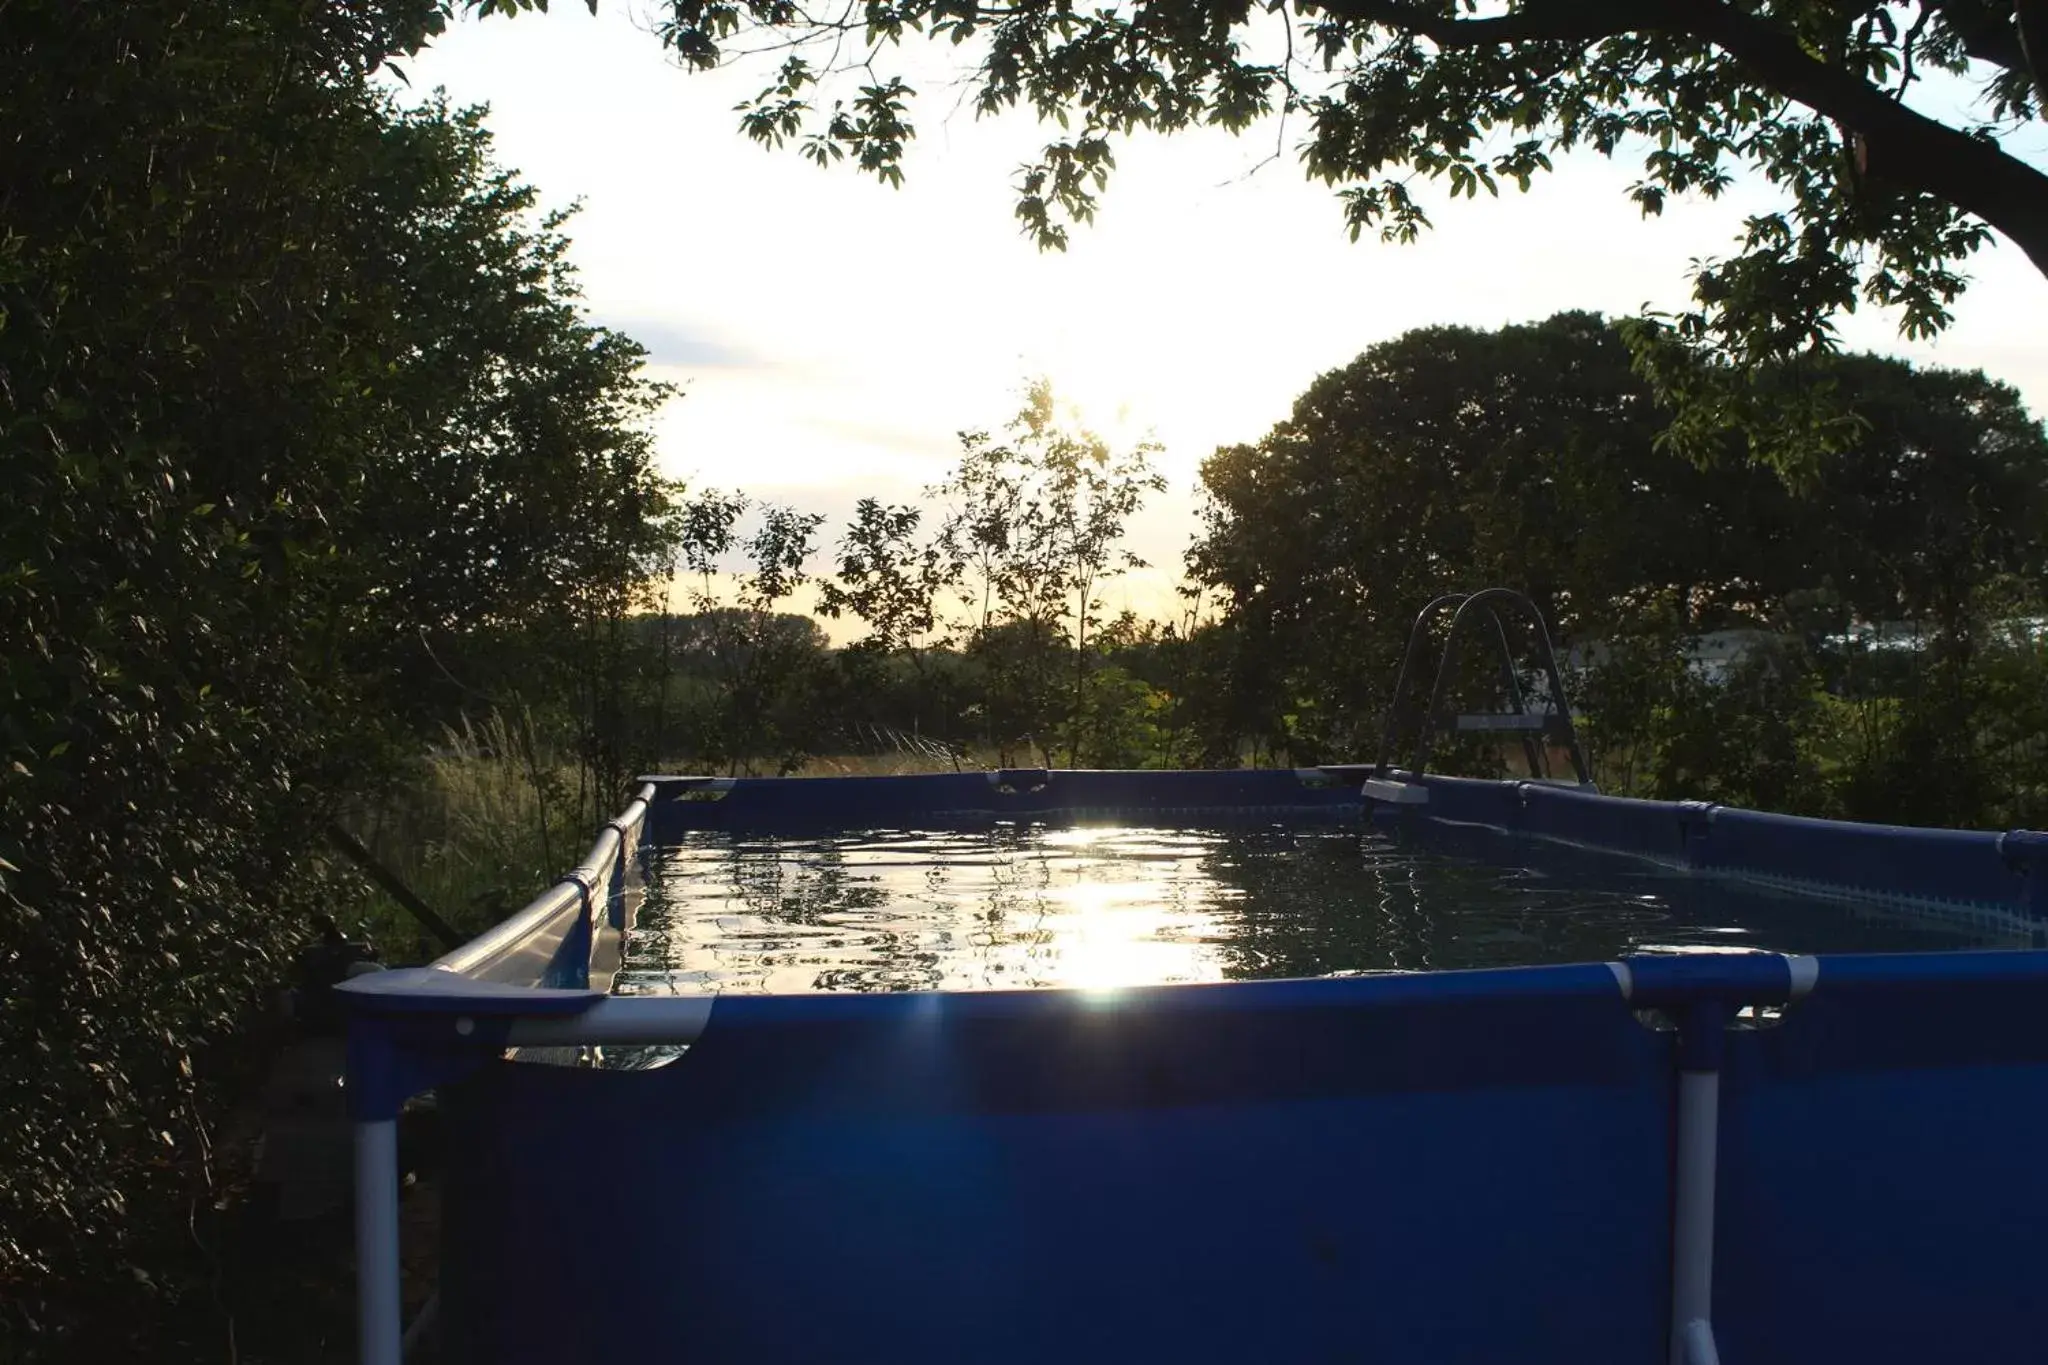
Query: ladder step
<point x="1395" y="793"/>
<point x="1508" y="723"/>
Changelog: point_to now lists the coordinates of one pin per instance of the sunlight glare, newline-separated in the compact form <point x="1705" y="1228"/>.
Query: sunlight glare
<point x="1118" y="934"/>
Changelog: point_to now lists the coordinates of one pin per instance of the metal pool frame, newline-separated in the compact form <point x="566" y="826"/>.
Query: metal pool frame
<point x="1943" y="1056"/>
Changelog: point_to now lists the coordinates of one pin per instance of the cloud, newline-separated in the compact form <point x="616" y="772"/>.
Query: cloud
<point x="901" y="438"/>
<point x="687" y="346"/>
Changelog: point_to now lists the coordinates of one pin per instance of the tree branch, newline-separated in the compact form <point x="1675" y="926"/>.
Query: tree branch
<point x="1906" y="45"/>
<point x="1986" y="32"/>
<point x="1902" y="146"/>
<point x="1905" y="147"/>
<point x="2030" y="17"/>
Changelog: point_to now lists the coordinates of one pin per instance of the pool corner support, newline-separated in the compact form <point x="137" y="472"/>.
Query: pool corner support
<point x="1700" y="994"/>
<point x="409" y="1030"/>
<point x="1696" y="1344"/>
<point x="383" y="1072"/>
<point x="414" y="1028"/>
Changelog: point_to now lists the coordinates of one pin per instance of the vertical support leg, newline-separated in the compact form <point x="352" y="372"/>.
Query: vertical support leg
<point x="379" y="1329"/>
<point x="1692" y="1239"/>
<point x="1698" y="1340"/>
<point x="1692" y="1219"/>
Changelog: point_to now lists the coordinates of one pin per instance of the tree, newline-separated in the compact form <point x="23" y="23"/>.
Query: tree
<point x="1884" y="195"/>
<point x="1941" y="497"/>
<point x="517" y="519"/>
<point x="1445" y="457"/>
<point x="887" y="579"/>
<point x="756" y="665"/>
<point x="1035" y="529"/>
<point x="290" y="379"/>
<point x="894" y="583"/>
<point x="1454" y="457"/>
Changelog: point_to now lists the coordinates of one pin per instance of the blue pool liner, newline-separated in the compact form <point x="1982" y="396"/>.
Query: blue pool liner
<point x="1470" y="1165"/>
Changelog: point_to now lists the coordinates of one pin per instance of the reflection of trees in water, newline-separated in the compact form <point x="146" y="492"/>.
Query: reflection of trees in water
<point x="658" y="935"/>
<point x="1307" y="905"/>
<point x="806" y="883"/>
<point x="984" y="912"/>
<point x="1040" y="934"/>
<point x="818" y="911"/>
<point x="1007" y="906"/>
<point x="1312" y="905"/>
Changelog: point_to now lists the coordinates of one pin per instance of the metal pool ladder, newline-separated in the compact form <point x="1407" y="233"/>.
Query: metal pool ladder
<point x="1532" y="726"/>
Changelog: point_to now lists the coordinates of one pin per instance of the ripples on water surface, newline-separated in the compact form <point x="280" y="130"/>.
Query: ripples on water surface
<point x="1015" y="907"/>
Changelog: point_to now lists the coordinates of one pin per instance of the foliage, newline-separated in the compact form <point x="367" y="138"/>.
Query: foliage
<point x="294" y="392"/>
<point x="1884" y="193"/>
<point x="747" y="674"/>
<point x="1118" y="722"/>
<point x="1035" y="529"/>
<point x="887" y="579"/>
<point x="489" y="818"/>
<point x="983" y="633"/>
<point x="1835" y="731"/>
<point x="1528" y="456"/>
<point x="1445" y="457"/>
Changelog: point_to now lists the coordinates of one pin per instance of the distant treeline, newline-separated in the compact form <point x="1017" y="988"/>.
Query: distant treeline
<point x="1446" y="458"/>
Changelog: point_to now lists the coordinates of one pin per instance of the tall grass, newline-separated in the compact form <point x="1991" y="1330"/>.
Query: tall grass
<point x="891" y="764"/>
<point x="490" y="819"/>
<point x="494" y="814"/>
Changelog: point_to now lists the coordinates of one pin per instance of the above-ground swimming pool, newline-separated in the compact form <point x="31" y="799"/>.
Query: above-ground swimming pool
<point x="1229" y="1066"/>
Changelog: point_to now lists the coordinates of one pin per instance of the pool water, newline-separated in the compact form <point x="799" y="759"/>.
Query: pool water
<point x="1037" y="907"/>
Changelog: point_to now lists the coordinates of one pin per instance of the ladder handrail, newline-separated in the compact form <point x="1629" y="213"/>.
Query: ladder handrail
<point x="1415" y="636"/>
<point x="1531" y="751"/>
<point x="1417" y="633"/>
<point x="1466" y="604"/>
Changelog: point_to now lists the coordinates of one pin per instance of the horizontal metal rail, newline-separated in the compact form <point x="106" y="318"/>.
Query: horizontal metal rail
<point x="510" y="934"/>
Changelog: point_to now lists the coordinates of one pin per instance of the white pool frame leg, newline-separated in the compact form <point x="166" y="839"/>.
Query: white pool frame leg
<point x="1697" y="1338"/>
<point x="1692" y="1239"/>
<point x="380" y="1333"/>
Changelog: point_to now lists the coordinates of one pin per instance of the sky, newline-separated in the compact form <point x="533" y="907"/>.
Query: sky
<point x="833" y="335"/>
